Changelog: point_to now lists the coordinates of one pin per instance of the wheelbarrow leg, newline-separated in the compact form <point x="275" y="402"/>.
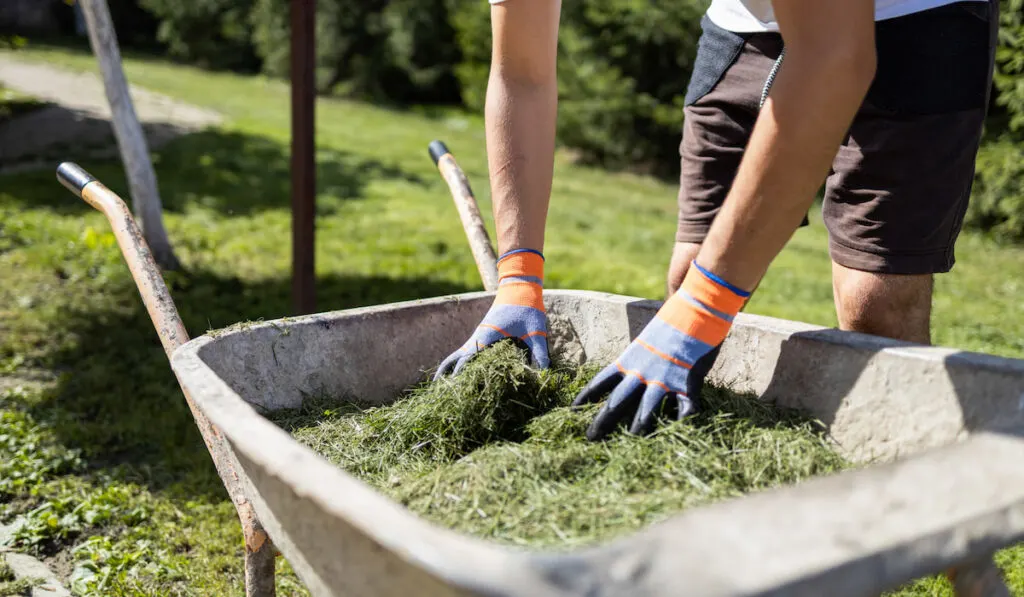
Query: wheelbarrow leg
<point x="259" y="568"/>
<point x="259" y="550"/>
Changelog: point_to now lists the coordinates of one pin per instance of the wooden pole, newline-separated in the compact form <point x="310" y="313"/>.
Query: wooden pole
<point x="303" y="159"/>
<point x="130" y="139"/>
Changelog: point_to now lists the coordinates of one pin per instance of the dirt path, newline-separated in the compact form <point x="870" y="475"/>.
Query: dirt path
<point x="75" y="123"/>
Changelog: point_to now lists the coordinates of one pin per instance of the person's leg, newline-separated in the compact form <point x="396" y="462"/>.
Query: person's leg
<point x="893" y="306"/>
<point x="720" y="110"/>
<point x="898" y="203"/>
<point x="895" y="201"/>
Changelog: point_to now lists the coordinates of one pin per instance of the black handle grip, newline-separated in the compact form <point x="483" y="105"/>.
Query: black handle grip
<point x="437" y="149"/>
<point x="74" y="177"/>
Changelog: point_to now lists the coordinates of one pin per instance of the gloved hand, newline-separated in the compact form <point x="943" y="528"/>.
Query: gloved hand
<point x="517" y="312"/>
<point x="668" y="359"/>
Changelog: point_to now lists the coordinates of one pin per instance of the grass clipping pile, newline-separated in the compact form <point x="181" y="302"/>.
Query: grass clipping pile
<point x="496" y="452"/>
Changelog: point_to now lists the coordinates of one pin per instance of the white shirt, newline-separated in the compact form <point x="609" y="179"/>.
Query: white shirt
<point x="747" y="16"/>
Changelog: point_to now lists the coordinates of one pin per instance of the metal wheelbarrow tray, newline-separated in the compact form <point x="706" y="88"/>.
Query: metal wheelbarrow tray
<point x="943" y="431"/>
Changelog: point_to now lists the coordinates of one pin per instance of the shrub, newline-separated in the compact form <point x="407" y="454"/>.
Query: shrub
<point x="997" y="203"/>
<point x="623" y="70"/>
<point x="135" y="25"/>
<point x="347" y="31"/>
<point x="399" y="51"/>
<point x="997" y="200"/>
<point x="211" y="33"/>
<point x="422" y="52"/>
<point x="1009" y="76"/>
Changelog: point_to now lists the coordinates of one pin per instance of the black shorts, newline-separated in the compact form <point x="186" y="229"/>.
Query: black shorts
<point x="898" y="190"/>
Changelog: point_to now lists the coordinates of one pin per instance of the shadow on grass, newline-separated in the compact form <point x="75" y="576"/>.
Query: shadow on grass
<point x="118" y="400"/>
<point x="236" y="173"/>
<point x="39" y="135"/>
<point x="229" y="172"/>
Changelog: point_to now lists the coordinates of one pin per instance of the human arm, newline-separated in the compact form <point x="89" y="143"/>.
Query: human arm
<point x="829" y="65"/>
<point x="520" y="112"/>
<point x="828" y="68"/>
<point x="520" y="131"/>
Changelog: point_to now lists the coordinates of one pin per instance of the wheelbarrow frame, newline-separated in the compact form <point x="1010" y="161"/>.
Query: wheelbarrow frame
<point x="424" y="555"/>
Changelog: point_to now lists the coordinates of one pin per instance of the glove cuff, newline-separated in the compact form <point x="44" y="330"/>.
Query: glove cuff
<point x="713" y="291"/>
<point x="526" y="265"/>
<point x="521" y="280"/>
<point x="704" y="306"/>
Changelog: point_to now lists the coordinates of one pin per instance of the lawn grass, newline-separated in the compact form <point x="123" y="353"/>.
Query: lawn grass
<point x="98" y="453"/>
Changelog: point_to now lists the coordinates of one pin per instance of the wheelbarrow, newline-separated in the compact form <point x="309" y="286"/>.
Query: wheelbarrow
<point x="940" y="433"/>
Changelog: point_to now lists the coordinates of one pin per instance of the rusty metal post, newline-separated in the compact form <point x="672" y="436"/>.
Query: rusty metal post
<point x="259" y="550"/>
<point x="303" y="160"/>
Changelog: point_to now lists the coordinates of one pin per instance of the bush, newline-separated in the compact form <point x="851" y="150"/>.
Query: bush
<point x="997" y="200"/>
<point x="997" y="203"/>
<point x="400" y="51"/>
<point x="211" y="33"/>
<point x="1009" y="76"/>
<point x="422" y="52"/>
<point x="623" y="70"/>
<point x="135" y="25"/>
<point x="471" y="21"/>
<point x="345" y="30"/>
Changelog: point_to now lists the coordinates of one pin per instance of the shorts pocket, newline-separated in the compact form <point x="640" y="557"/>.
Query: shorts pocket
<point x="717" y="49"/>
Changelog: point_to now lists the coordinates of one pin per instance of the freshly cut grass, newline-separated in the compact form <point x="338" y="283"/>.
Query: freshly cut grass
<point x="496" y="452"/>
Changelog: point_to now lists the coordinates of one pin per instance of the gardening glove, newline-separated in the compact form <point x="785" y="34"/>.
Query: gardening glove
<point x="669" y="359"/>
<point x="517" y="312"/>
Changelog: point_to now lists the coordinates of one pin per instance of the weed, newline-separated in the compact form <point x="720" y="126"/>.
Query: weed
<point x="28" y="454"/>
<point x="103" y="563"/>
<point x="61" y="520"/>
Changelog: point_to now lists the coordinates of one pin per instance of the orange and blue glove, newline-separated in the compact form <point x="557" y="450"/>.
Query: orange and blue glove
<point x="669" y="359"/>
<point x="517" y="312"/>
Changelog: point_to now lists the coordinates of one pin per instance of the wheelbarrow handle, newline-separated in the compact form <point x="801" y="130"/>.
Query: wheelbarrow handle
<point x="469" y="213"/>
<point x="74" y="177"/>
<point x="260" y="552"/>
<point x="136" y="252"/>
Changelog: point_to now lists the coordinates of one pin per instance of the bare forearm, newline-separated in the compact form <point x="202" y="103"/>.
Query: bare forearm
<point x="522" y="100"/>
<point x="520" y="121"/>
<point x="817" y="93"/>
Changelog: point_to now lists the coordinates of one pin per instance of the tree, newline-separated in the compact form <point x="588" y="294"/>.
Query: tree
<point x="130" y="139"/>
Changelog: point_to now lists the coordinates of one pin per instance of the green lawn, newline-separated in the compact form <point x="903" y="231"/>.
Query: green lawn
<point x="97" y="448"/>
